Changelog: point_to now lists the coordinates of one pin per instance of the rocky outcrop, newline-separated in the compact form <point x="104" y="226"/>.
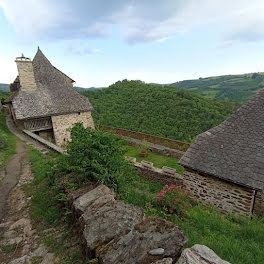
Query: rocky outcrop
<point x="108" y="222"/>
<point x="149" y="241"/>
<point x="116" y="232"/>
<point x="94" y="199"/>
<point x="200" y="254"/>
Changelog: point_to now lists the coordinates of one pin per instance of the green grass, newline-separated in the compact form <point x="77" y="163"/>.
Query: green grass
<point x="47" y="211"/>
<point x="9" y="248"/>
<point x="158" y="160"/>
<point x="235" y="239"/>
<point x="10" y="149"/>
<point x="44" y="206"/>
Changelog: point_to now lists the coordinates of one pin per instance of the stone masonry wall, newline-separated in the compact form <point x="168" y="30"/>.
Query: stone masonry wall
<point x="62" y="122"/>
<point x="162" y="176"/>
<point x="259" y="204"/>
<point x="225" y="196"/>
<point x="26" y="75"/>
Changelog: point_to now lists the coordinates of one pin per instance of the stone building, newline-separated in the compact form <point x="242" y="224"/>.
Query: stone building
<point x="225" y="165"/>
<point x="44" y="100"/>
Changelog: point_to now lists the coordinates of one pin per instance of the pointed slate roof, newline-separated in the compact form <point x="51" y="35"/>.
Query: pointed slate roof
<point x="234" y="150"/>
<point x="53" y="96"/>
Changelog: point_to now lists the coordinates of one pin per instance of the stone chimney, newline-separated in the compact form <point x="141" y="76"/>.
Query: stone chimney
<point x="26" y="74"/>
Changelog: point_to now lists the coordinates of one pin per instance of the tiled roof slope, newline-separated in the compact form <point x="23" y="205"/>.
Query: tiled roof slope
<point x="234" y="150"/>
<point x="53" y="95"/>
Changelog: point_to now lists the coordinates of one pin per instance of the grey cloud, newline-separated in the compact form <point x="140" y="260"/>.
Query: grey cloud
<point x="139" y="20"/>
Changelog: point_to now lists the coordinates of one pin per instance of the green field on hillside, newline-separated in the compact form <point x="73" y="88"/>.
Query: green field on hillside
<point x="161" y="111"/>
<point x="237" y="88"/>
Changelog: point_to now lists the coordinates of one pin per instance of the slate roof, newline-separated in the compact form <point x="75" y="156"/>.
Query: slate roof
<point x="234" y="150"/>
<point x="53" y="96"/>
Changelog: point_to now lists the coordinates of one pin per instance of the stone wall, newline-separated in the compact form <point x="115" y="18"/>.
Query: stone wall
<point x="163" y="176"/>
<point x="259" y="204"/>
<point x="116" y="232"/>
<point x="62" y="123"/>
<point x="26" y="75"/>
<point x="162" y="150"/>
<point x="225" y="196"/>
<point x="167" y="142"/>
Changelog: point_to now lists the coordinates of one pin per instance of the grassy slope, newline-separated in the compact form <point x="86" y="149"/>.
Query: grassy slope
<point x="158" y="160"/>
<point x="6" y="153"/>
<point x="235" y="239"/>
<point x="161" y="111"/>
<point x="47" y="212"/>
<point x="237" y="88"/>
<point x="238" y="240"/>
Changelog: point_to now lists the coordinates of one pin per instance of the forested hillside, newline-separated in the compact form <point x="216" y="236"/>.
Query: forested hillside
<point x="162" y="111"/>
<point x="237" y="88"/>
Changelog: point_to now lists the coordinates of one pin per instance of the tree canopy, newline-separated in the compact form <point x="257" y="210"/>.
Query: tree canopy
<point x="161" y="111"/>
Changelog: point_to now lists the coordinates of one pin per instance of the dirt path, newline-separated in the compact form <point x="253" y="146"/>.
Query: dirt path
<point x="11" y="174"/>
<point x="21" y="238"/>
<point x="20" y="242"/>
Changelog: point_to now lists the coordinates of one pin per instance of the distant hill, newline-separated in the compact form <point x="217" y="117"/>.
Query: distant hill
<point x="237" y="88"/>
<point x="4" y="87"/>
<point x="79" y="89"/>
<point x="162" y="111"/>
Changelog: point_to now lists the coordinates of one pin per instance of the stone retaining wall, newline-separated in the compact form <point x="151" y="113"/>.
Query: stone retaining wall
<point x="170" y="143"/>
<point x="225" y="196"/>
<point x="115" y="232"/>
<point x="165" y="151"/>
<point x="163" y="176"/>
<point x="44" y="142"/>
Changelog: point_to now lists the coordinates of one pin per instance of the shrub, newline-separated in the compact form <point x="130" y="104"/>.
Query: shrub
<point x="93" y="155"/>
<point x="174" y="199"/>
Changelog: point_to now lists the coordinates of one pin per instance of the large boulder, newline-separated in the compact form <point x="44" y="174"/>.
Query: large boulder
<point x="85" y="201"/>
<point x="112" y="220"/>
<point x="200" y="254"/>
<point x="144" y="244"/>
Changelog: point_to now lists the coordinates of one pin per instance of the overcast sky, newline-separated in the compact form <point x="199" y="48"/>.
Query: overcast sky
<point x="98" y="42"/>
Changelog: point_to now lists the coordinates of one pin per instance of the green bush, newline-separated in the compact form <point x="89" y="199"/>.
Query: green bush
<point x="95" y="156"/>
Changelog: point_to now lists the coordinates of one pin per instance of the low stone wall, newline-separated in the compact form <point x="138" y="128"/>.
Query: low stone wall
<point x="165" y="151"/>
<point x="44" y="142"/>
<point x="259" y="204"/>
<point x="225" y="196"/>
<point x="167" y="142"/>
<point x="115" y="232"/>
<point x="163" y="176"/>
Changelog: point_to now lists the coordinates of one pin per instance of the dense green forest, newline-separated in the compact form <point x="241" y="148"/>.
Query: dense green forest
<point x="162" y="111"/>
<point x="237" y="88"/>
